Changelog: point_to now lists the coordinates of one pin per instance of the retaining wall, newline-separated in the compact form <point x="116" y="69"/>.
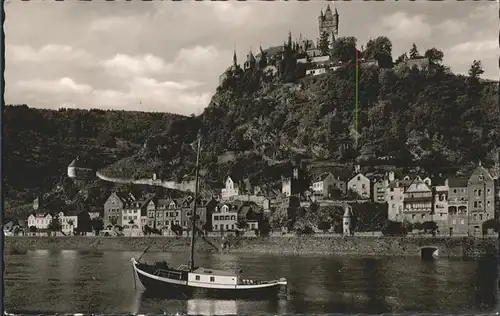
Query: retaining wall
<point x="465" y="247"/>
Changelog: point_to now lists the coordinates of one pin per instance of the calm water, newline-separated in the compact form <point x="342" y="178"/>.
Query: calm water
<point x="71" y="281"/>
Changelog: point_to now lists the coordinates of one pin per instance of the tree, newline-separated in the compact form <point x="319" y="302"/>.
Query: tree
<point x="131" y="223"/>
<point x="476" y="69"/>
<point x="71" y="223"/>
<point x="97" y="225"/>
<point x="55" y="224"/>
<point x="414" y="52"/>
<point x="242" y="224"/>
<point x="344" y="49"/>
<point x="33" y="229"/>
<point x="324" y="226"/>
<point x="324" y="44"/>
<point x="434" y="55"/>
<point x="430" y="226"/>
<point x="401" y="58"/>
<point x="379" y="49"/>
<point x="490" y="224"/>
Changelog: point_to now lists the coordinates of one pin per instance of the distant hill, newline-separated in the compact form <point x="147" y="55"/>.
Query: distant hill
<point x="40" y="144"/>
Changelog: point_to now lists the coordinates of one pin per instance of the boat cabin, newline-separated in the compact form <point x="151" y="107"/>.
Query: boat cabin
<point x="211" y="276"/>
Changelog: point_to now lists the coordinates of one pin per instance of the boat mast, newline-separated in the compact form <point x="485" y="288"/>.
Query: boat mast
<point x="193" y="216"/>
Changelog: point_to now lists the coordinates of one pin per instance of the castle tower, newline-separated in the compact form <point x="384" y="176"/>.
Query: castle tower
<point x="235" y="59"/>
<point x="347" y="221"/>
<point x="250" y="63"/>
<point x="329" y="22"/>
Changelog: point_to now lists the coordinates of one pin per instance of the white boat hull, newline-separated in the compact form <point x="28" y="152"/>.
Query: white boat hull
<point x="175" y="283"/>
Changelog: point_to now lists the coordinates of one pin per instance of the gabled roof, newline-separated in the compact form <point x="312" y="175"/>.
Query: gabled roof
<point x="399" y="184"/>
<point x="480" y="170"/>
<point x="418" y="183"/>
<point x="457" y="182"/>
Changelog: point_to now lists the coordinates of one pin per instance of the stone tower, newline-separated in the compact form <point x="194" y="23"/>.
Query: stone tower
<point x="347" y="221"/>
<point x="329" y="22"/>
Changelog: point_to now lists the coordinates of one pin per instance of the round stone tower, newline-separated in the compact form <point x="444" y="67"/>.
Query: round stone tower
<point x="347" y="221"/>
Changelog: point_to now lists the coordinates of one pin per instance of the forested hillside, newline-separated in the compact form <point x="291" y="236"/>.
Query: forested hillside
<point x="38" y="145"/>
<point x="430" y="118"/>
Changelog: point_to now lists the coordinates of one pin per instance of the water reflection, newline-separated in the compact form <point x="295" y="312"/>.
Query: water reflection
<point x="103" y="282"/>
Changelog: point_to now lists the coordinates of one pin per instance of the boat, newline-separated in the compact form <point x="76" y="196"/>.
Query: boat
<point x="190" y="281"/>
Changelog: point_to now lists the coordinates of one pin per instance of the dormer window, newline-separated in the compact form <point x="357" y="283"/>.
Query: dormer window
<point x="481" y="177"/>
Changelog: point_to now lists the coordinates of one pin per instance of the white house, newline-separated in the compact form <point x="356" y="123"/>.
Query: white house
<point x="225" y="218"/>
<point x="132" y="220"/>
<point x="68" y="223"/>
<point x="361" y="184"/>
<point x="231" y="189"/>
<point x="39" y="220"/>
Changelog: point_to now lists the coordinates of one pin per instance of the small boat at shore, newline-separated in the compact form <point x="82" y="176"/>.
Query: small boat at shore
<point x="188" y="281"/>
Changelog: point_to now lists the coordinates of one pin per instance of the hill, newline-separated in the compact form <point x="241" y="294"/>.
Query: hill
<point x="260" y="122"/>
<point x="409" y="117"/>
<point x="39" y="144"/>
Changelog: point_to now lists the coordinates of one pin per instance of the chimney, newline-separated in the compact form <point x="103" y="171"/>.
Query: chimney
<point x="391" y="176"/>
<point x="357" y="168"/>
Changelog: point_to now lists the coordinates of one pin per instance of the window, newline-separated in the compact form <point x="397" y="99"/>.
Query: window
<point x="197" y="278"/>
<point x="359" y="178"/>
<point x="462" y="222"/>
<point x="393" y="205"/>
<point x="454" y="221"/>
<point x="392" y="197"/>
<point x="481" y="177"/>
<point x="475" y="203"/>
<point x="216" y="218"/>
<point x="454" y="190"/>
<point x="212" y="279"/>
<point x="215" y="226"/>
<point x="480" y="217"/>
<point x="474" y="216"/>
<point x="479" y="192"/>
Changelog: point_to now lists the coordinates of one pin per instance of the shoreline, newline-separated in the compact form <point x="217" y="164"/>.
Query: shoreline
<point x="453" y="247"/>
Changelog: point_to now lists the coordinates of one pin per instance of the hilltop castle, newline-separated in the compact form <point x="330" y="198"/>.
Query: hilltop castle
<point x="268" y="60"/>
<point x="329" y="23"/>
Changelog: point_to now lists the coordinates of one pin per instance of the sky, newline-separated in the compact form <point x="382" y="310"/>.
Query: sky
<point x="167" y="56"/>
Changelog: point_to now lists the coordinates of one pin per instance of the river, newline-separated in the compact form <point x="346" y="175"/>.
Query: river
<point x="45" y="281"/>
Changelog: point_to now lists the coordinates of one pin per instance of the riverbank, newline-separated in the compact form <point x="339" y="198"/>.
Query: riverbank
<point x="457" y="247"/>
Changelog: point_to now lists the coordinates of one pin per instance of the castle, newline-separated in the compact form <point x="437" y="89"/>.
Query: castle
<point x="268" y="60"/>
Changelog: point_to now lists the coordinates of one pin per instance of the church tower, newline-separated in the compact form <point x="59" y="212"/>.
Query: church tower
<point x="329" y="22"/>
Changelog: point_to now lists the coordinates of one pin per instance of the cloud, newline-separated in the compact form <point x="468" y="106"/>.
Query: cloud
<point x="401" y="26"/>
<point x="452" y="27"/>
<point x="113" y="23"/>
<point x="63" y="85"/>
<point x="50" y="52"/>
<point x="480" y="48"/>
<point x="235" y="13"/>
<point x="165" y="96"/>
<point x="187" y="60"/>
<point x="122" y="64"/>
<point x="178" y="97"/>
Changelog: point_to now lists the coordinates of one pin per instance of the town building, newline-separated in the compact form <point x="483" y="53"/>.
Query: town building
<point x="39" y="220"/>
<point x="114" y="206"/>
<point x="360" y="184"/>
<point x="135" y="216"/>
<point x="231" y="189"/>
<point x="225" y="217"/>
<point x="327" y="185"/>
<point x="481" y="191"/>
<point x="458" y="205"/>
<point x="167" y="212"/>
<point x="394" y="195"/>
<point x="440" y="213"/>
<point x="290" y="185"/>
<point x="418" y="202"/>
<point x="379" y="187"/>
